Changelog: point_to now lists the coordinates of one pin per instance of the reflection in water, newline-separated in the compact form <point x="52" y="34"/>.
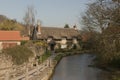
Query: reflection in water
<point x="76" y="68"/>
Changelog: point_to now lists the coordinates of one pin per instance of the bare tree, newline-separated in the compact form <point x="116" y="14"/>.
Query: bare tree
<point x="29" y="18"/>
<point x="94" y="16"/>
<point x="105" y="15"/>
<point x="100" y="14"/>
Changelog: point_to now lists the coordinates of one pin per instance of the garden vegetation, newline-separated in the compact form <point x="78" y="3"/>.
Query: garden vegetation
<point x="19" y="54"/>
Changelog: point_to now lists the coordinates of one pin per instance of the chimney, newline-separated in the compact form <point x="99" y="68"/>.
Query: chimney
<point x="75" y="27"/>
<point x="38" y="27"/>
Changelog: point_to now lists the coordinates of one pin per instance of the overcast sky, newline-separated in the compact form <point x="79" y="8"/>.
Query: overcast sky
<point x="53" y="13"/>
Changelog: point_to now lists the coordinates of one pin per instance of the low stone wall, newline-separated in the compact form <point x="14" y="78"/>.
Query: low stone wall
<point x="7" y="67"/>
<point x="5" y="64"/>
<point x="5" y="61"/>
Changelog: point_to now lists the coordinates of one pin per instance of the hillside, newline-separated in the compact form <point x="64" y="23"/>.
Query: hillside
<point x="2" y="18"/>
<point x="9" y="24"/>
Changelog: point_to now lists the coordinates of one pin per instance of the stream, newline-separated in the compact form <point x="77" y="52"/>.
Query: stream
<point x="77" y="67"/>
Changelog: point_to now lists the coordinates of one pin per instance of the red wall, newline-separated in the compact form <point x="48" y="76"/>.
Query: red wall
<point x="8" y="45"/>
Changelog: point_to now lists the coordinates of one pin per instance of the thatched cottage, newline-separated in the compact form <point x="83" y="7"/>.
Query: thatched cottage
<point x="60" y="35"/>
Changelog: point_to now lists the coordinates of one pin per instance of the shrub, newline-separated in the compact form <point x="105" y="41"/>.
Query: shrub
<point x="23" y="42"/>
<point x="58" y="57"/>
<point x="44" y="56"/>
<point x="40" y="43"/>
<point x="19" y="54"/>
<point x="115" y="62"/>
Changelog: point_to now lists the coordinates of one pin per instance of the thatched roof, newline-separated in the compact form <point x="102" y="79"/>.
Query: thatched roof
<point x="58" y="33"/>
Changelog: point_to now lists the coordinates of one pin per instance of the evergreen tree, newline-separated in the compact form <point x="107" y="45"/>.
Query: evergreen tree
<point x="66" y="26"/>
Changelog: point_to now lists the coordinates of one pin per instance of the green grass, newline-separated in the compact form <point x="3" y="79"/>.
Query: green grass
<point x="44" y="57"/>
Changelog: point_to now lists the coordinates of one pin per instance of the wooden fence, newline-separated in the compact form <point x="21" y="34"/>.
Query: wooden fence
<point x="28" y="73"/>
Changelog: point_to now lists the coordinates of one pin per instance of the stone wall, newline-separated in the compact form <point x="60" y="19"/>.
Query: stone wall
<point x="5" y="63"/>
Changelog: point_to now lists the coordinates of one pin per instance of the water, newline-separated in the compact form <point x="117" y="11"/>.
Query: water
<point x="76" y="68"/>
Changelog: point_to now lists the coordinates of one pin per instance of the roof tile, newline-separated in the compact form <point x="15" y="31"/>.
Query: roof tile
<point x="10" y="35"/>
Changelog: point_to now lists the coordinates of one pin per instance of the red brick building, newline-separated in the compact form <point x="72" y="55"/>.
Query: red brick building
<point x="9" y="39"/>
